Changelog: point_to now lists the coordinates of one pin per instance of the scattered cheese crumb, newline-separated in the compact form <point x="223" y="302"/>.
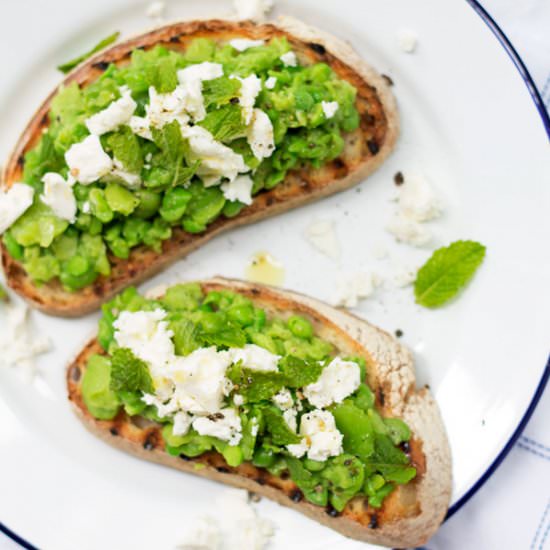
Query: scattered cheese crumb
<point x="322" y="236"/>
<point x="407" y="40"/>
<point x="289" y="59"/>
<point x="252" y="9"/>
<point x="409" y="232"/>
<point x="417" y="200"/>
<point x="155" y="10"/>
<point x="351" y="288"/>
<point x="238" y="190"/>
<point x="404" y="276"/>
<point x="19" y="342"/>
<point x="234" y="526"/>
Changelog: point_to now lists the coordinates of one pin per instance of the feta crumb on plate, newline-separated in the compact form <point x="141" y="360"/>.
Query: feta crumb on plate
<point x="407" y="40"/>
<point x="404" y="276"/>
<point x="252" y="9"/>
<point x="155" y="10"/>
<point x="322" y="236"/>
<point x="204" y="535"/>
<point x="409" y="231"/>
<point x="417" y="199"/>
<point x="19" y="342"/>
<point x="352" y="287"/>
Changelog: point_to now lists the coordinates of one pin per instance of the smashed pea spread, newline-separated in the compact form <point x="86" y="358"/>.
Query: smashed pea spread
<point x="172" y="139"/>
<point x="221" y="374"/>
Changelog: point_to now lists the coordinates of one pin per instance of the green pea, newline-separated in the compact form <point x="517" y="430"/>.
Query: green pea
<point x="174" y="204"/>
<point x="300" y="326"/>
<point x="119" y="247"/>
<point x="95" y="227"/>
<point x="232" y="209"/>
<point x="77" y="265"/>
<point x="100" y="207"/>
<point x="134" y="230"/>
<point x="73" y="282"/>
<point x="65" y="246"/>
<point x="81" y="192"/>
<point x="313" y="465"/>
<point x="233" y="455"/>
<point x="264" y="458"/>
<point x="243" y="314"/>
<point x="149" y="203"/>
<point x="14" y="249"/>
<point x="120" y="199"/>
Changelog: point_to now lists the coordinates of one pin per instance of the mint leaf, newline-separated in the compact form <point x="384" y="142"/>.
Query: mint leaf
<point x="300" y="372"/>
<point x="280" y="431"/>
<point x="125" y="147"/>
<point x="69" y="65"/>
<point x="220" y="91"/>
<point x="255" y="385"/>
<point x="225" y="123"/>
<point x="447" y="272"/>
<point x="128" y="373"/>
<point x="168" y="166"/>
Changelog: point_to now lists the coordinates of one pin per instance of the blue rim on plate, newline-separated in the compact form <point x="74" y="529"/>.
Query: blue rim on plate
<point x="535" y="94"/>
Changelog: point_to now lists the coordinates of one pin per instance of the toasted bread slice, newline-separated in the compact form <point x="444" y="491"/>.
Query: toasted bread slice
<point x="407" y="518"/>
<point x="365" y="150"/>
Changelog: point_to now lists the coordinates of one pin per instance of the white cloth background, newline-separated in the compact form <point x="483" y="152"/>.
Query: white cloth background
<point x="512" y="510"/>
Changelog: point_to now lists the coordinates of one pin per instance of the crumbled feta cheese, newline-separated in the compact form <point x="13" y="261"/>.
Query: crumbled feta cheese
<point x="86" y="207"/>
<point x="225" y="425"/>
<point x="147" y="336"/>
<point x="239" y="189"/>
<point x="271" y="82"/>
<point x="320" y="437"/>
<point x="116" y="114"/>
<point x="330" y="108"/>
<point x="242" y="44"/>
<point x="254" y="357"/>
<point x="238" y="400"/>
<point x="283" y="399"/>
<point x="407" y="40"/>
<point x="260" y="135"/>
<point x="13" y="203"/>
<point x="19" y="342"/>
<point x="217" y="160"/>
<point x="163" y="109"/>
<point x="250" y="88"/>
<point x="289" y="417"/>
<point x="129" y="179"/>
<point x="182" y="423"/>
<point x="199" y="379"/>
<point x="352" y="287"/>
<point x="289" y="59"/>
<point x="338" y="380"/>
<point x="58" y="195"/>
<point x="322" y="236"/>
<point x="164" y="407"/>
<point x="252" y="9"/>
<point x="155" y="10"/>
<point x="241" y="526"/>
<point x="191" y="79"/>
<point x="205" y="534"/>
<point x="87" y="161"/>
<point x="141" y="126"/>
<point x="417" y="200"/>
<point x="409" y="232"/>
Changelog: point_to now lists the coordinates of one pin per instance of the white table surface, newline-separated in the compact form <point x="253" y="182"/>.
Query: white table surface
<point x="512" y="510"/>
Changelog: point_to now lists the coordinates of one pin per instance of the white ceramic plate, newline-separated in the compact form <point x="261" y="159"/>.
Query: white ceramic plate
<point x="469" y="124"/>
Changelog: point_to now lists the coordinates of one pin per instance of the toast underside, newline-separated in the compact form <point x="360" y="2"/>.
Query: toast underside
<point x="365" y="150"/>
<point x="408" y="517"/>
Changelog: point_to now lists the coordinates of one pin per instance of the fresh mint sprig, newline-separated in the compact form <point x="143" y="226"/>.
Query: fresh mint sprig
<point x="70" y="65"/>
<point x="447" y="272"/>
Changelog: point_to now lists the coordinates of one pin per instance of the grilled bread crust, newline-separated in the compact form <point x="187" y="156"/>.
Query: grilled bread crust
<point x="365" y="150"/>
<point x="407" y="518"/>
